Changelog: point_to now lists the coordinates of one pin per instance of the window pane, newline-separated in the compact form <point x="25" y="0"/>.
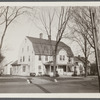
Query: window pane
<point x="64" y="68"/>
<point x="46" y="58"/>
<point x="51" y="68"/>
<point x="69" y="59"/>
<point x="24" y="67"/>
<point x="29" y="58"/>
<point x="27" y="48"/>
<point x="60" y="57"/>
<point x="39" y="57"/>
<point x="20" y="59"/>
<point x="63" y="57"/>
<point x="23" y="58"/>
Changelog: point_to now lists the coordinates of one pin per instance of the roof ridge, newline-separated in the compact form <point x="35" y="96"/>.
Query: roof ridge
<point x="46" y="40"/>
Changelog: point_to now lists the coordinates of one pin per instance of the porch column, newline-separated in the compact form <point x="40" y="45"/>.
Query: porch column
<point x="66" y="68"/>
<point x="50" y="68"/>
<point x="57" y="68"/>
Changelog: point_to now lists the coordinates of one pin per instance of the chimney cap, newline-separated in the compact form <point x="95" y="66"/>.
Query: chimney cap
<point x="79" y="56"/>
<point x="41" y="35"/>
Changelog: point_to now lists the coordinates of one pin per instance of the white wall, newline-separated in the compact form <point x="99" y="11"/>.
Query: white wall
<point x="62" y="52"/>
<point x="39" y="63"/>
<point x="26" y="53"/>
<point x="7" y="69"/>
<point x="34" y="62"/>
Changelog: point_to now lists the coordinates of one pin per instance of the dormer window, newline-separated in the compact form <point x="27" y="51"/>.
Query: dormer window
<point x="60" y="57"/>
<point x="63" y="57"/>
<point x="46" y="58"/>
<point x="69" y="59"/>
<point x="27" y="48"/>
<point x="29" y="58"/>
<point x="39" y="57"/>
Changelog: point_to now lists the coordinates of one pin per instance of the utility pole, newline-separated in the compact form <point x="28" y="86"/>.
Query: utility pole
<point x="96" y="44"/>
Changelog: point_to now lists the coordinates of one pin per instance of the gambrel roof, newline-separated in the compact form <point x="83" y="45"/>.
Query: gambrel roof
<point x="43" y="46"/>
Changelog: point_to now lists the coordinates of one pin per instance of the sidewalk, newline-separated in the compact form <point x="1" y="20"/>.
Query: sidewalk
<point x="37" y="80"/>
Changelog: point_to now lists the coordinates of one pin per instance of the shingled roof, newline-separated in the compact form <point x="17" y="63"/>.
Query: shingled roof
<point x="43" y="46"/>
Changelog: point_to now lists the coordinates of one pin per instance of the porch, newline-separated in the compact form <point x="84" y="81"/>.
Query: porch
<point x="61" y="69"/>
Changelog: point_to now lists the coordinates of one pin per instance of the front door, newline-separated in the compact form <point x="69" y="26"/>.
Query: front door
<point x="60" y="70"/>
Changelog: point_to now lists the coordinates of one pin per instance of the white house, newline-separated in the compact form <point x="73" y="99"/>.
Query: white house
<point x="16" y="68"/>
<point x="35" y="56"/>
<point x="81" y="63"/>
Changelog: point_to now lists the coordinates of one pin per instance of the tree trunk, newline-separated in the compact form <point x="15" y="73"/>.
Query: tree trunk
<point x="85" y="66"/>
<point x="96" y="46"/>
<point x="98" y="68"/>
<point x="85" y="42"/>
<point x="54" y="71"/>
<point x="54" y="61"/>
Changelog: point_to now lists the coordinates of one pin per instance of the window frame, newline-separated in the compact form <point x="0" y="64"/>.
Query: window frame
<point x="63" y="57"/>
<point x="46" y="58"/>
<point x="60" y="58"/>
<point x="23" y="58"/>
<point x="39" y="57"/>
<point x="29" y="58"/>
<point x="24" y="68"/>
<point x="69" y="60"/>
<point x="20" y="59"/>
<point x="27" y="48"/>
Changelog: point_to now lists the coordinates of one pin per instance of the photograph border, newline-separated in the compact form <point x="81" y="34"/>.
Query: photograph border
<point x="51" y="95"/>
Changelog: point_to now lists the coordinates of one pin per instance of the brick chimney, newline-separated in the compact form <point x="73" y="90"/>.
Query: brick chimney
<point x="79" y="56"/>
<point x="41" y="35"/>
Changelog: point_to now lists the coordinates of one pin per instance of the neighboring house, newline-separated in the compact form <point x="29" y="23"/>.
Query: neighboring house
<point x="15" y="68"/>
<point x="81" y="63"/>
<point x="7" y="69"/>
<point x="35" y="56"/>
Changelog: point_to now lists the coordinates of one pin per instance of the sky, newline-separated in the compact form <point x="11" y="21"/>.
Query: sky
<point x="23" y="26"/>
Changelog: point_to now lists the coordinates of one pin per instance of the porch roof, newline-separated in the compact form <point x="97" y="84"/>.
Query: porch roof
<point x="51" y="63"/>
<point x="15" y="63"/>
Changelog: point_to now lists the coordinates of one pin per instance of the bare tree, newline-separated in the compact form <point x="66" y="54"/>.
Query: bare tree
<point x="55" y="18"/>
<point x="80" y="38"/>
<point x="64" y="16"/>
<point x="82" y="18"/>
<point x="7" y="16"/>
<point x="86" y="19"/>
<point x="95" y="37"/>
